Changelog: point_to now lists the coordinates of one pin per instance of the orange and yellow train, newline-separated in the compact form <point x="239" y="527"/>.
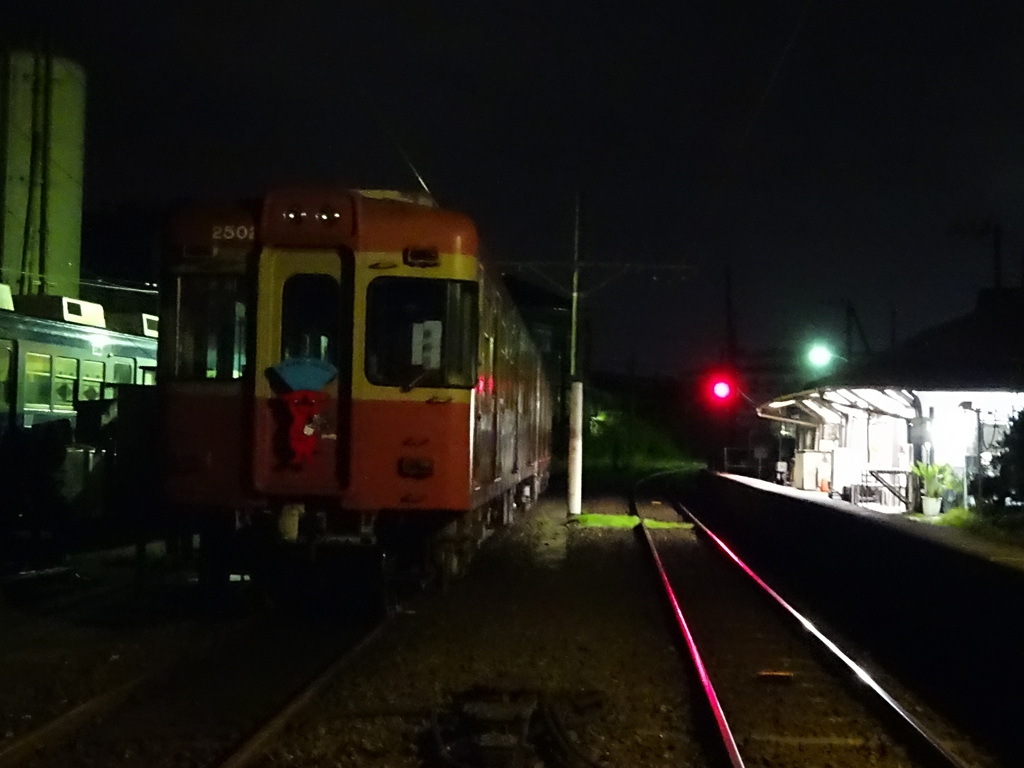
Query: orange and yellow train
<point x="341" y="367"/>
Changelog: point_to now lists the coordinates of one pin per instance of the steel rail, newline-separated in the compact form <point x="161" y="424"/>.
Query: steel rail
<point x="728" y="741"/>
<point x="64" y="725"/>
<point x="862" y="674"/>
<point x="250" y="748"/>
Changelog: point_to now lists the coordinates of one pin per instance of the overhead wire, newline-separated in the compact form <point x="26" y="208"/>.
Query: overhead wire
<point x="127" y="286"/>
<point x="756" y="112"/>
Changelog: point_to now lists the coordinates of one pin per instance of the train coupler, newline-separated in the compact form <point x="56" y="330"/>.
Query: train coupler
<point x="296" y="524"/>
<point x="288" y="521"/>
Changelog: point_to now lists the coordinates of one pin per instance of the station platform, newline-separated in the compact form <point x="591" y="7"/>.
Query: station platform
<point x="1004" y="553"/>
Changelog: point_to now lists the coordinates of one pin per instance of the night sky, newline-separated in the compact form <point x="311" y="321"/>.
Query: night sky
<point x="825" y="152"/>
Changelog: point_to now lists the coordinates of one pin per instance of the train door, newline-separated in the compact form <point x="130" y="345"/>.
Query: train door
<point x="501" y="390"/>
<point x="483" y="433"/>
<point x="302" y="404"/>
<point x="514" y="404"/>
<point x="508" y="400"/>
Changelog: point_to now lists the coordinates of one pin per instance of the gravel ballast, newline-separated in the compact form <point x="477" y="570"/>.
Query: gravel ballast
<point x="551" y="609"/>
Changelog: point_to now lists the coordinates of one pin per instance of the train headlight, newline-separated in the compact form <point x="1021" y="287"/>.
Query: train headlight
<point x="421" y="257"/>
<point x="328" y="216"/>
<point x="416" y="467"/>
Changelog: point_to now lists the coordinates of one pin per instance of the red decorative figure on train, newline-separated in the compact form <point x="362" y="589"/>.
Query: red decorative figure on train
<point x="305" y="377"/>
<point x="304" y="430"/>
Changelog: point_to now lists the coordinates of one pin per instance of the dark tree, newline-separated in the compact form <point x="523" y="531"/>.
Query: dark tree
<point x="1011" y="461"/>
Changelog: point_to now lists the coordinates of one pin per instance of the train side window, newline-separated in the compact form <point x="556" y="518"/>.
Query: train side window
<point x="65" y="373"/>
<point x="38" y="369"/>
<point x="461" y="341"/>
<point x="121" y="373"/>
<point x="6" y="397"/>
<point x="310" y="317"/>
<point x="90" y="386"/>
<point x="211" y="328"/>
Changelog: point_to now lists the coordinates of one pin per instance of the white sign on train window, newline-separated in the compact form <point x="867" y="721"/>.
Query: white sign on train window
<point x="426" y="344"/>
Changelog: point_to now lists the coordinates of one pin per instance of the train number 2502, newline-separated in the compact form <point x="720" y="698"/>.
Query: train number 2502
<point x="234" y="232"/>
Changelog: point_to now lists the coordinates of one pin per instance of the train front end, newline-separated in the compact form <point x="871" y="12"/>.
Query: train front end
<point x="319" y="367"/>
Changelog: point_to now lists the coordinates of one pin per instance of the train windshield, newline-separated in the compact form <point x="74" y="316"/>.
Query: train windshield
<point x="211" y="328"/>
<point x="421" y="332"/>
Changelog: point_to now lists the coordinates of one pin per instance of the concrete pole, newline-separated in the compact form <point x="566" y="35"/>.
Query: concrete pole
<point x="979" y="439"/>
<point x="575" y="447"/>
<point x="575" y="469"/>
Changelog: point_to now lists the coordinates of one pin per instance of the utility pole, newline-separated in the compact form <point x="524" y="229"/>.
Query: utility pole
<point x="981" y="229"/>
<point x="575" y="468"/>
<point x="853" y="322"/>
<point x="997" y="256"/>
<point x="731" y="347"/>
<point x="575" y="454"/>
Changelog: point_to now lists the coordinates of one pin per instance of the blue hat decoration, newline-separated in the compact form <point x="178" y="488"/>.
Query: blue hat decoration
<point x="305" y="373"/>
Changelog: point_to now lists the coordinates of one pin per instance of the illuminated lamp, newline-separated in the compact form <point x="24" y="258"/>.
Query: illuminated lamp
<point x="328" y="216"/>
<point x="819" y="356"/>
<point x="720" y="388"/>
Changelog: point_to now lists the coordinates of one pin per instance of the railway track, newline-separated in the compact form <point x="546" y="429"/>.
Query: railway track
<point x="71" y="650"/>
<point x="785" y="695"/>
<point x="251" y="748"/>
<point x="562" y="631"/>
<point x="775" y="689"/>
<point x="234" y="690"/>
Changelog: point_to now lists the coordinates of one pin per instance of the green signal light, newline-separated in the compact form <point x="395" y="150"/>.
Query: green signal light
<point x="819" y="356"/>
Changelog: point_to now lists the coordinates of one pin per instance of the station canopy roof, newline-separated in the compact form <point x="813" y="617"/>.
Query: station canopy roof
<point x="983" y="350"/>
<point x="825" y="405"/>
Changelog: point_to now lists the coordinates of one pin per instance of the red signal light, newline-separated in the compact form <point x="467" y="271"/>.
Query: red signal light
<point x="721" y="389"/>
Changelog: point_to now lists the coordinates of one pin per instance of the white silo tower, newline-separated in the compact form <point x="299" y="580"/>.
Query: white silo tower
<point x="42" y="151"/>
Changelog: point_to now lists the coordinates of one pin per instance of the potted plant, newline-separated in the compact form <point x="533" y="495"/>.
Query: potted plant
<point x="936" y="479"/>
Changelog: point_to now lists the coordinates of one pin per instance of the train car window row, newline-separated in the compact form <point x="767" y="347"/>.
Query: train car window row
<point x="58" y="383"/>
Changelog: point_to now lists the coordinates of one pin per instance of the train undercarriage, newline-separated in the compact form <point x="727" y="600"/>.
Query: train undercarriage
<point x="308" y="554"/>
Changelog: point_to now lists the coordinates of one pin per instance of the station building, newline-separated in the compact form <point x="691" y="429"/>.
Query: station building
<point x="945" y="396"/>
